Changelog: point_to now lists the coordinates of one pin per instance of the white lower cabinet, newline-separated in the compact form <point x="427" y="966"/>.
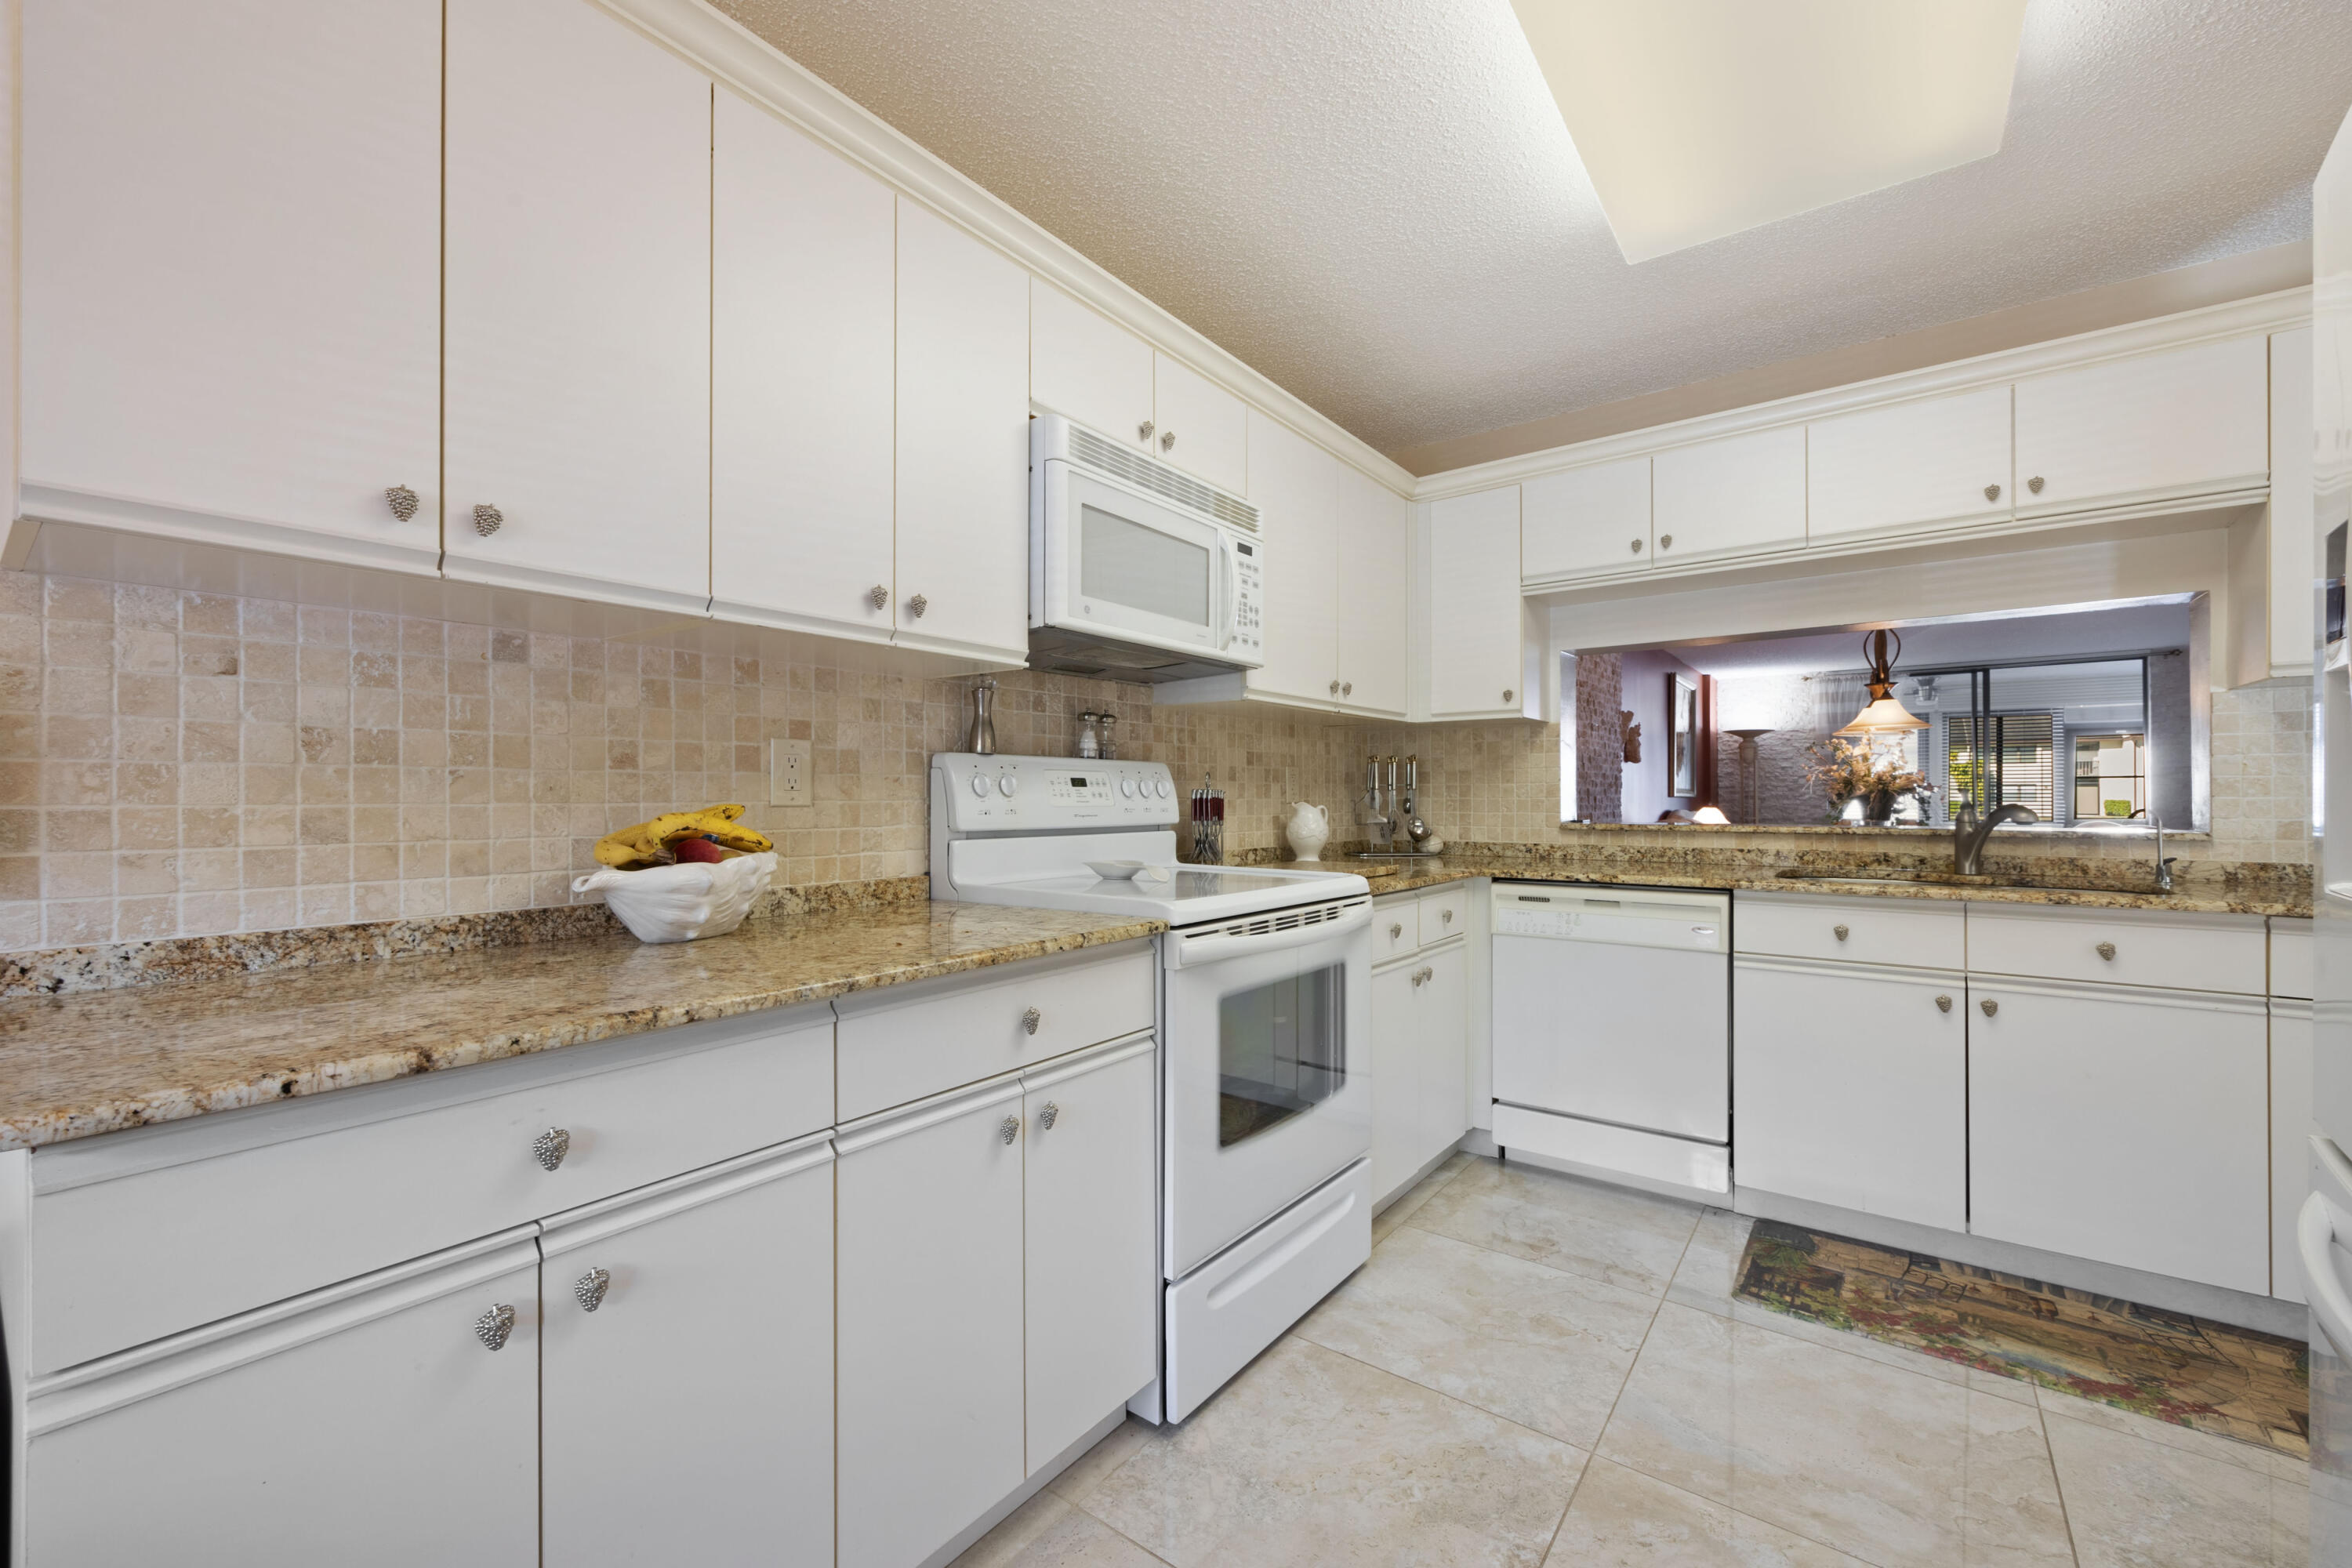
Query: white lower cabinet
<point x="2124" y="1124"/>
<point x="373" y="1423"/>
<point x="929" y="1350"/>
<point x="687" y="1357"/>
<point x="1850" y="1087"/>
<point x="1090" y="1206"/>
<point x="1420" y="1059"/>
<point x="2291" y="1126"/>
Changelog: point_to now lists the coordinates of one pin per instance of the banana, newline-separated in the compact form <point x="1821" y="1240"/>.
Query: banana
<point x="630" y="847"/>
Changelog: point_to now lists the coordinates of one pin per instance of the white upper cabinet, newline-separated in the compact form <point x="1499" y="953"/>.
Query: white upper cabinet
<point x="1476" y="647"/>
<point x="1296" y="485"/>
<point x="1586" y="522"/>
<point x="802" y="411"/>
<point x="1203" y="429"/>
<point x="1742" y="495"/>
<point x="231" y="271"/>
<point x="577" y="400"/>
<point x="1087" y="367"/>
<point x="1935" y="463"/>
<point x="2156" y="428"/>
<point x="962" y="579"/>
<point x="1374" y="543"/>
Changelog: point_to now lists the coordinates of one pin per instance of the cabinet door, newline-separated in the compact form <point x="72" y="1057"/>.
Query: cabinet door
<point x="1586" y="522"/>
<point x="1865" y="1117"/>
<point x="231" y="270"/>
<point x="1938" y="462"/>
<point x="1442" y="1048"/>
<point x="1740" y="496"/>
<point x="929" y="1350"/>
<point x="1476" y="643"/>
<point x="1083" y="365"/>
<point x="1296" y="485"/>
<point x="2181" y="422"/>
<point x="964" y="442"/>
<point x="2291" y="1126"/>
<point x="2125" y="1125"/>
<point x="1092" y="1210"/>
<point x="1396" y="1078"/>
<point x="687" y="1373"/>
<point x="1374" y="539"/>
<point x="801" y="393"/>
<point x="577" y="400"/>
<point x="371" y="1427"/>
<point x="1203" y="428"/>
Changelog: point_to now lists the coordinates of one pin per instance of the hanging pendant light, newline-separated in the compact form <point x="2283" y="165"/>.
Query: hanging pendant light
<point x="1883" y="715"/>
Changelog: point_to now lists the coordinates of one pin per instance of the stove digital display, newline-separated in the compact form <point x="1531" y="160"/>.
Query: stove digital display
<point x="1077" y="783"/>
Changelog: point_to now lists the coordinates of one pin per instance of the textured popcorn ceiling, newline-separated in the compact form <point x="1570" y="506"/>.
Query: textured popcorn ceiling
<point x="1374" y="201"/>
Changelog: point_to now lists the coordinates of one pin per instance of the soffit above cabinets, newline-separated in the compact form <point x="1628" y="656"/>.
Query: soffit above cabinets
<point x="1378" y="207"/>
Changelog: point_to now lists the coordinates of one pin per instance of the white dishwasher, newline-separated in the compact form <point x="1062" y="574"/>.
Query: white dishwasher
<point x="1612" y="1030"/>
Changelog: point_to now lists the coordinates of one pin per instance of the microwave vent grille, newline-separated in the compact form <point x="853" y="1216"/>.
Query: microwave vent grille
<point x="1135" y="469"/>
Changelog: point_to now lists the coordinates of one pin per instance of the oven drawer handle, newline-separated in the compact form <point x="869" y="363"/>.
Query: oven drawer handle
<point x="1182" y="951"/>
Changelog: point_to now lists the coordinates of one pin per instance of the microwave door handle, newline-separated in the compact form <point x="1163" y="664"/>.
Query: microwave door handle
<point x="1233" y="588"/>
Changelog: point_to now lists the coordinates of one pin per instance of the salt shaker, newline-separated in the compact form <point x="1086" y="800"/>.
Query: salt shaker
<point x="1090" y="742"/>
<point x="1110" y="745"/>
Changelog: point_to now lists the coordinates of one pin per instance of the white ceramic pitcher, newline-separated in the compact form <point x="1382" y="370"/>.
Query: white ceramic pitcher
<point x="1308" y="830"/>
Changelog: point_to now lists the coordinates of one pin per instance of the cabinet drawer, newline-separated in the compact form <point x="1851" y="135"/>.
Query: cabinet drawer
<point x="143" y="1234"/>
<point x="2290" y="958"/>
<point x="1916" y="933"/>
<point x="1396" y="926"/>
<point x="1444" y="911"/>
<point x="2186" y="953"/>
<point x="926" y="1039"/>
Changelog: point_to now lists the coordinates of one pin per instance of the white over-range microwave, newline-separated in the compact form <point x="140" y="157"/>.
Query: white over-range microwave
<point x="1136" y="570"/>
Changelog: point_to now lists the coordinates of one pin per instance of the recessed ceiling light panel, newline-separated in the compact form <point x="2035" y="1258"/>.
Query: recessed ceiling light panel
<point x="1697" y="119"/>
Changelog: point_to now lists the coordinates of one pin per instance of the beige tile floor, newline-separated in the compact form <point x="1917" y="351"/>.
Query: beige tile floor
<point x="1537" y="1370"/>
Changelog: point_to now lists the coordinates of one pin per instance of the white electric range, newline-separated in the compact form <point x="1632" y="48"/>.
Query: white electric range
<point x="1264" y="1039"/>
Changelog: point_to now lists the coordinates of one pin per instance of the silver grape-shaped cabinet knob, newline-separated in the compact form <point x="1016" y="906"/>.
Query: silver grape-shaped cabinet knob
<point x="549" y="1147"/>
<point x="488" y="519"/>
<point x="590" y="1288"/>
<point x="493" y="1326"/>
<point x="402" y="500"/>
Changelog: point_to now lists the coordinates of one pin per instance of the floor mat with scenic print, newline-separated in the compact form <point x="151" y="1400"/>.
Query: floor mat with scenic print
<point x="2234" y="1382"/>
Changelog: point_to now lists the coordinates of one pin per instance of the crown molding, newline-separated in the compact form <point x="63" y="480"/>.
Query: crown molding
<point x="2236" y="318"/>
<point x="749" y="65"/>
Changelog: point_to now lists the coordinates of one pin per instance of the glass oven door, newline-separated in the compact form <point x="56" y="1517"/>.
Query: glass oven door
<point x="1269" y="1089"/>
<point x="1122" y="565"/>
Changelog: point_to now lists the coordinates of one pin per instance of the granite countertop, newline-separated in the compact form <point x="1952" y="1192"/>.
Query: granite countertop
<point x="2195" y="894"/>
<point x="78" y="1064"/>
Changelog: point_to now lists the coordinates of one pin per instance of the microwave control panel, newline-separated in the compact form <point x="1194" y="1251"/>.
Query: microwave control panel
<point x="996" y="794"/>
<point x="1249" y="599"/>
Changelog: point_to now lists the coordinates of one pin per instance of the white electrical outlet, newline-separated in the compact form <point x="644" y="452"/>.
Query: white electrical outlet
<point x="788" y="773"/>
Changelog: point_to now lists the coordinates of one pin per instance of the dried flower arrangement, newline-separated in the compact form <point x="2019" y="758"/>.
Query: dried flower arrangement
<point x="1848" y="771"/>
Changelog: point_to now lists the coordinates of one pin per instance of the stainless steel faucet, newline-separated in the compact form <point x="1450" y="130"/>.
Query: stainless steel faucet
<point x="2163" y="862"/>
<point x="1969" y="835"/>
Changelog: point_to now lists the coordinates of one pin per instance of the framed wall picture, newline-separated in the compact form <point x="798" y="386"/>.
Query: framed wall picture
<point x="1682" y="747"/>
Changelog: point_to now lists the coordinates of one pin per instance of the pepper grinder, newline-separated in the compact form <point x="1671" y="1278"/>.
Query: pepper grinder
<point x="1110" y="742"/>
<point x="1090" y="742"/>
<point x="984" y="719"/>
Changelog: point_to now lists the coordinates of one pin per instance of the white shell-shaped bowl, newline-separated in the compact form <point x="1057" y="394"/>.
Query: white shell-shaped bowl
<point x="681" y="902"/>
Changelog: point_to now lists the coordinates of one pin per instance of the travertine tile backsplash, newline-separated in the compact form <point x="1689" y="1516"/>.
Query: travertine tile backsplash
<point x="175" y="762"/>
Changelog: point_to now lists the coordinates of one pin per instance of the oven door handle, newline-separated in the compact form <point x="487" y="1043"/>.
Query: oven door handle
<point x="1218" y="943"/>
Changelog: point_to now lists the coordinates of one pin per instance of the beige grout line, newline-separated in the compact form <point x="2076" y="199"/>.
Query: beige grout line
<point x="2057" y="1483"/>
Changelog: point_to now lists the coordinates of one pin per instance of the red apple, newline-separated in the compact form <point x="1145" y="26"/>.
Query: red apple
<point x="697" y="848"/>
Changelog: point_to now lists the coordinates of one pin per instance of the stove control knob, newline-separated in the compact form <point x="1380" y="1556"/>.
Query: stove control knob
<point x="1162" y="787"/>
<point x="1006" y="783"/>
<point x="1127" y="788"/>
<point x="979" y="785"/>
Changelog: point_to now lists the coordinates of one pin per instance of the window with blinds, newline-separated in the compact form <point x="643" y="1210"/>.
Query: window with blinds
<point x="2014" y="759"/>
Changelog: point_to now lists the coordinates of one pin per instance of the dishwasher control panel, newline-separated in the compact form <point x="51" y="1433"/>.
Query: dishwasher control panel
<point x="1635" y="917"/>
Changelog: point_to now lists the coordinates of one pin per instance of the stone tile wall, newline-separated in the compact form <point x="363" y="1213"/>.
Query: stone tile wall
<point x="182" y="764"/>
